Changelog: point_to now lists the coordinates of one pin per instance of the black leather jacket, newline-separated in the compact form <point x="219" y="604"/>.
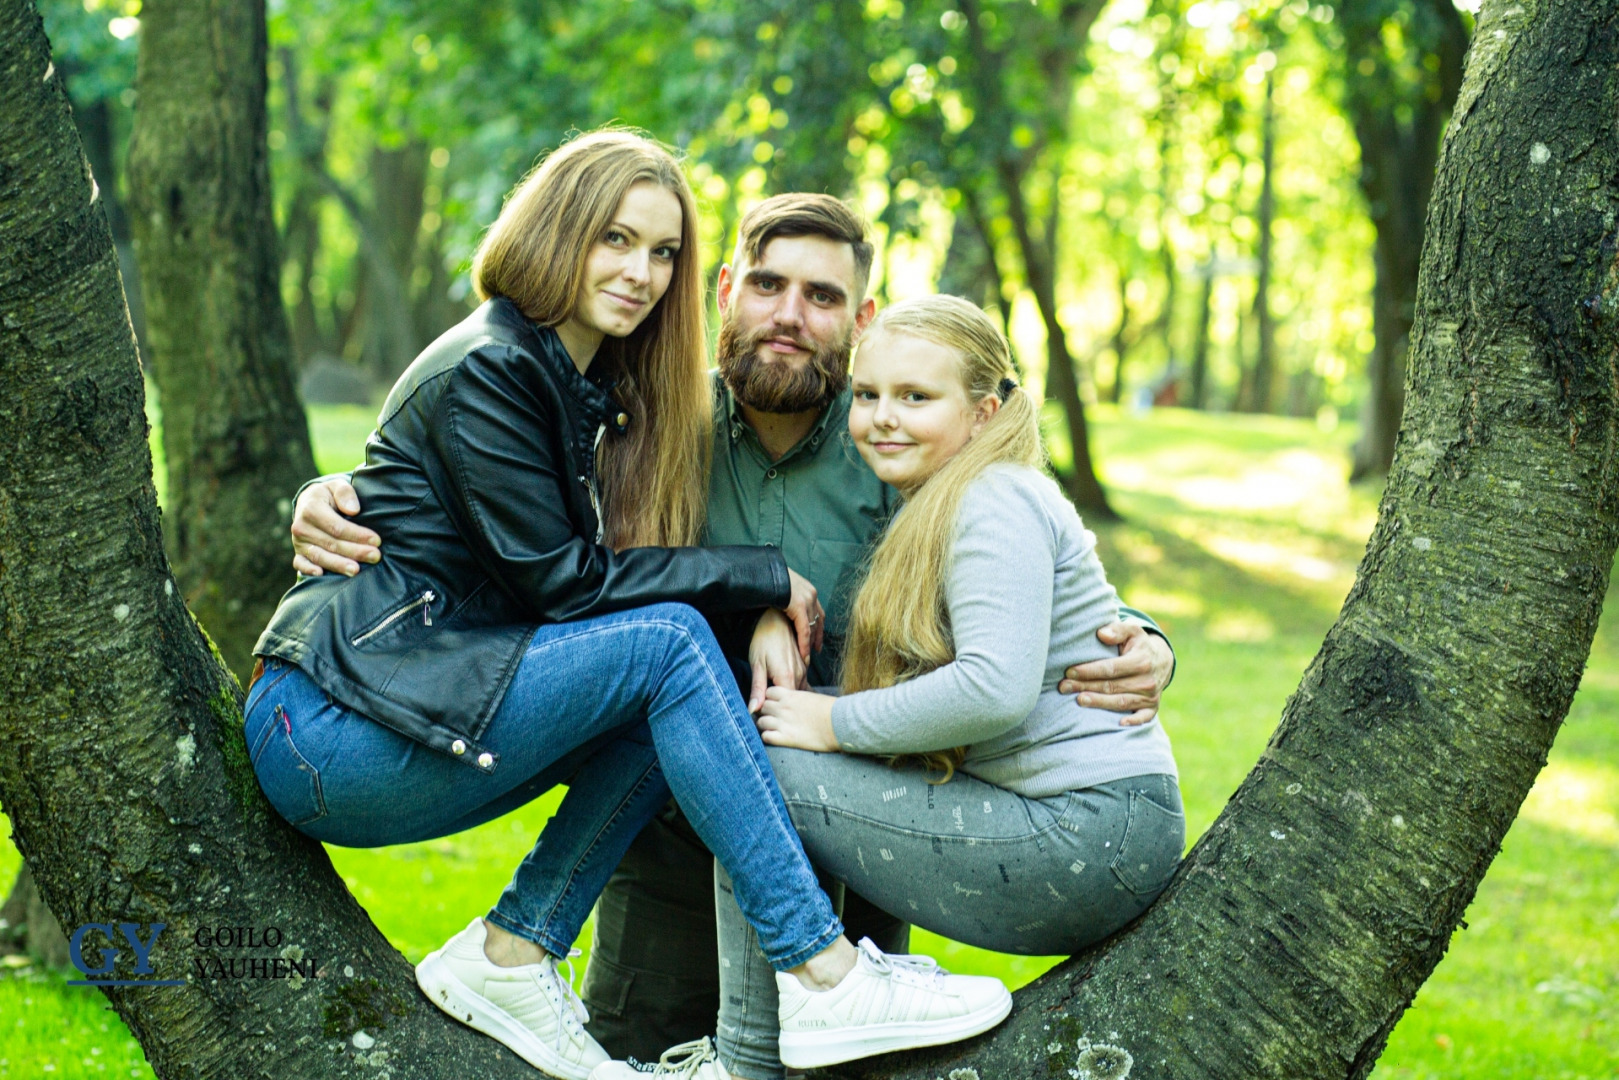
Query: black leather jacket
<point x="480" y="479"/>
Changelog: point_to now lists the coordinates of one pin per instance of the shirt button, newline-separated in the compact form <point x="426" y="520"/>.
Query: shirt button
<point x="621" y="419"/>
<point x="458" y="747"/>
<point x="771" y="475"/>
<point x="485" y="760"/>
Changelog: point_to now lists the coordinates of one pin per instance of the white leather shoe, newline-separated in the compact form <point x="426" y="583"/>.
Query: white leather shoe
<point x="885" y="1003"/>
<point x="688" y="1061"/>
<point x="530" y="1008"/>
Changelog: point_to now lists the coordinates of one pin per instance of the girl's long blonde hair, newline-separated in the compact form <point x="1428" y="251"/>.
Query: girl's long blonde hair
<point x="654" y="478"/>
<point x="899" y="627"/>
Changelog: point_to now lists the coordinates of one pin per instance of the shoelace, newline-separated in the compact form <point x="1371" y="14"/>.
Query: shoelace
<point x="905" y="967"/>
<point x="569" y="1006"/>
<point x="697" y="1054"/>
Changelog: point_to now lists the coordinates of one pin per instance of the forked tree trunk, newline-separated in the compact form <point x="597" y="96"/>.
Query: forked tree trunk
<point x="1302" y="924"/>
<point x="1304" y="921"/>
<point x="234" y="435"/>
<point x="122" y="766"/>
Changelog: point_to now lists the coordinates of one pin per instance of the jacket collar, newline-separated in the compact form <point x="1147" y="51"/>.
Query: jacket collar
<point x="542" y="341"/>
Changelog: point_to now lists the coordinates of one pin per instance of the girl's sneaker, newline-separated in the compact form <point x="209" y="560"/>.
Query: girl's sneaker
<point x="531" y="1008"/>
<point x="688" y="1061"/>
<point x="885" y="1003"/>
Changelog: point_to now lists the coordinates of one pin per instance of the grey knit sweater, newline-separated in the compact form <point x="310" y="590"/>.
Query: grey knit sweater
<point x="1026" y="594"/>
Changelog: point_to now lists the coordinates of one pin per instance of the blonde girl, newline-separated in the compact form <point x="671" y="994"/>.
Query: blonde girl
<point x="950" y="783"/>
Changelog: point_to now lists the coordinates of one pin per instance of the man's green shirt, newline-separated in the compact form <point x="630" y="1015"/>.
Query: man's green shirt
<point x="818" y="503"/>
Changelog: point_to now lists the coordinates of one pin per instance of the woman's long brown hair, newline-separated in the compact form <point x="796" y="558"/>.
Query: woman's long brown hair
<point x="654" y="478"/>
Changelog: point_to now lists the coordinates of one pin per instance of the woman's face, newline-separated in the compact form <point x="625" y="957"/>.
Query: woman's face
<point x="910" y="412"/>
<point x="627" y="270"/>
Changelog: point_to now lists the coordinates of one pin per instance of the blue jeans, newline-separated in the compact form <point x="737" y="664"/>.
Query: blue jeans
<point x="623" y="708"/>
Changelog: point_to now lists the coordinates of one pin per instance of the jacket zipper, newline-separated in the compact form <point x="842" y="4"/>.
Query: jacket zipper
<point x="590" y="484"/>
<point x="422" y="601"/>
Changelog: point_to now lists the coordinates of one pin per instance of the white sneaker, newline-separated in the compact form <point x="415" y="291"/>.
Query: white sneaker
<point x="886" y="1003"/>
<point x="530" y="1008"/>
<point x="688" y="1061"/>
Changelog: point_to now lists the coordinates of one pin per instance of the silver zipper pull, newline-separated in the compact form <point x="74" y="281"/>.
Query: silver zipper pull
<point x="427" y="611"/>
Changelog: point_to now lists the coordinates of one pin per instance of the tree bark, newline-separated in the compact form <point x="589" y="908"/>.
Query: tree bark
<point x="234" y="435"/>
<point x="122" y="765"/>
<point x="1302" y="924"/>
<point x="1398" y="120"/>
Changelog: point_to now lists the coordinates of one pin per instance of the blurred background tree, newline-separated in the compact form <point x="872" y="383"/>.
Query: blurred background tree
<point x="1214" y="203"/>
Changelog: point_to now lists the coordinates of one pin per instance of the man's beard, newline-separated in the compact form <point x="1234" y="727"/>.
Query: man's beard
<point x="776" y="386"/>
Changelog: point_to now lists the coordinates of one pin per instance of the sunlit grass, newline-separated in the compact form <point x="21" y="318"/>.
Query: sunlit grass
<point x="1242" y="538"/>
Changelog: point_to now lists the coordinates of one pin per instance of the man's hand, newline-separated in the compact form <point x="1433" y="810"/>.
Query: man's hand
<point x="1128" y="683"/>
<point x="804" y="609"/>
<point x="799" y="719"/>
<point x="773" y="656"/>
<point x="323" y="539"/>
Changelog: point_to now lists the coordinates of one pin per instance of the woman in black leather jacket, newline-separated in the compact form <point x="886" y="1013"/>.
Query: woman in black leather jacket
<point x="537" y="477"/>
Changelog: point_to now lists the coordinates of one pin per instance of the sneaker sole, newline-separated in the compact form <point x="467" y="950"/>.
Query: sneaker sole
<point x="480" y="1014"/>
<point x="815" y="1050"/>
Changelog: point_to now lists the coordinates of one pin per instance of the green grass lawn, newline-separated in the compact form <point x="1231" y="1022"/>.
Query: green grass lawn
<point x="1242" y="539"/>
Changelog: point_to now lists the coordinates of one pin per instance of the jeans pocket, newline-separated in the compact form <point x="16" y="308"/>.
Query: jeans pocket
<point x="289" y="781"/>
<point x="1151" y="847"/>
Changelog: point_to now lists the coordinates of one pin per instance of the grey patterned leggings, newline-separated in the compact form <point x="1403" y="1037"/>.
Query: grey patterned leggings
<point x="966" y="859"/>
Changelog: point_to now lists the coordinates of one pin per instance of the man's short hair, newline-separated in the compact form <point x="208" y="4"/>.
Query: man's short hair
<point x="801" y="213"/>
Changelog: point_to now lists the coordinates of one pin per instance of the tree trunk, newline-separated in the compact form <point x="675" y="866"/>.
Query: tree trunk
<point x="300" y="243"/>
<point x="1262" y="386"/>
<point x="1121" y="339"/>
<point x="1061" y="382"/>
<point x="27" y="925"/>
<point x="1198" y="395"/>
<point x="398" y="179"/>
<point x="1058" y="55"/>
<point x="234" y="435"/>
<point x="1398" y="120"/>
<point x="122" y="765"/>
<point x="1302" y="924"/>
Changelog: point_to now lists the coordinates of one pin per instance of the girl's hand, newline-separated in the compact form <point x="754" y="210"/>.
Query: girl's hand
<point x="799" y="719"/>
<point x="773" y="656"/>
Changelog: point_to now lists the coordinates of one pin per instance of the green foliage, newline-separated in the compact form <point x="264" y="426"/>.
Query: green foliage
<point x="1129" y="132"/>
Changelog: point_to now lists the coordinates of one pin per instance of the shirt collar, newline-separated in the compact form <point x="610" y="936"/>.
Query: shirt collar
<point x="833" y="418"/>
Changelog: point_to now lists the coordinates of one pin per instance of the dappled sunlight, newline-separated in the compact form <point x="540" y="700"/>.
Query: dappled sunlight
<point x="1277" y="559"/>
<point x="1240" y="626"/>
<point x="1307" y="487"/>
<point x="1577" y="797"/>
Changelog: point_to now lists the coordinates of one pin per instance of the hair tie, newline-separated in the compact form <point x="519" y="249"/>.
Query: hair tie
<point x="1006" y="388"/>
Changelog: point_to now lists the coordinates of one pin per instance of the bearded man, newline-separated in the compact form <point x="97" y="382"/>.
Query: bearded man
<point x="785" y="473"/>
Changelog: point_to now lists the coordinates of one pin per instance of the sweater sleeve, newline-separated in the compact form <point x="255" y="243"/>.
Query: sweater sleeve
<point x="998" y="592"/>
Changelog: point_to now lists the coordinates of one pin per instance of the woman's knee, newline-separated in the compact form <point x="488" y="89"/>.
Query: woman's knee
<point x="683" y="616"/>
<point x="678" y="627"/>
